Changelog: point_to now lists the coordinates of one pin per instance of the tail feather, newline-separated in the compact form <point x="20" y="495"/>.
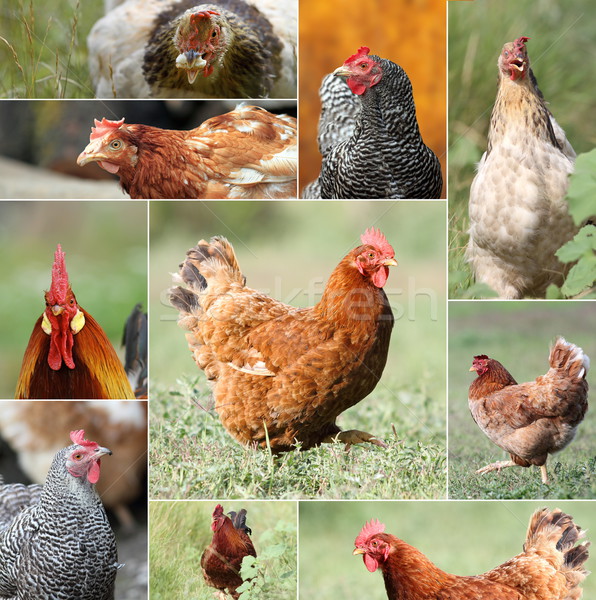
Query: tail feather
<point x="134" y="340"/>
<point x="239" y="520"/>
<point x="209" y="266"/>
<point x="554" y="535"/>
<point x="14" y="498"/>
<point x="569" y="359"/>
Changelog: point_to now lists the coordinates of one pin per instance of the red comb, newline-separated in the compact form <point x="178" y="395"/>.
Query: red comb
<point x="59" y="287"/>
<point x="104" y="126"/>
<point x="202" y="14"/>
<point x="375" y="238"/>
<point x="218" y="512"/>
<point x="520" y="42"/>
<point x="78" y="437"/>
<point x="362" y="51"/>
<point x="480" y="357"/>
<point x="371" y="528"/>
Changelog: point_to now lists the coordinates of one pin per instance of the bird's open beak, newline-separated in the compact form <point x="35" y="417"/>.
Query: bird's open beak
<point x="390" y="262"/>
<point x="358" y="551"/>
<point x="193" y="62"/>
<point x="342" y="72"/>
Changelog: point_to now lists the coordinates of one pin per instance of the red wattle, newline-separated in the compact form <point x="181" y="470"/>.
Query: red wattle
<point x="356" y="87"/>
<point x="93" y="473"/>
<point x="379" y="277"/>
<point x="371" y="564"/>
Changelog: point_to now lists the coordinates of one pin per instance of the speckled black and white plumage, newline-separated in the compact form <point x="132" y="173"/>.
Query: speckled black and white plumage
<point x="59" y="546"/>
<point x="375" y="149"/>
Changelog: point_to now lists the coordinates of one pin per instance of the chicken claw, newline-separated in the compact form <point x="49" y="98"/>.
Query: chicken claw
<point x="354" y="436"/>
<point x="496" y="466"/>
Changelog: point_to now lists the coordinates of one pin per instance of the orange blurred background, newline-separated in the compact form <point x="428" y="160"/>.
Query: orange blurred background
<point x="411" y="33"/>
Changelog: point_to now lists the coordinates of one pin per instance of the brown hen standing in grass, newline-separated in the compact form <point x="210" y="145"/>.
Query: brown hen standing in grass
<point x="222" y="559"/>
<point x="531" y="420"/>
<point x="282" y="375"/>
<point x="246" y="153"/>
<point x="549" y="568"/>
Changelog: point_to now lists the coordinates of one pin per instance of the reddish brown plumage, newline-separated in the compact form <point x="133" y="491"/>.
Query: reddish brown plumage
<point x="222" y="559"/>
<point x="549" y="568"/>
<point x="246" y="153"/>
<point x="533" y="419"/>
<point x="76" y="360"/>
<point x="282" y="375"/>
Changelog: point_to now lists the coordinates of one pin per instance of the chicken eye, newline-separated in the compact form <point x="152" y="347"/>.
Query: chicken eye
<point x="77" y="456"/>
<point x="506" y="53"/>
<point x="375" y="543"/>
<point x="364" y="65"/>
<point x="371" y="255"/>
<point x="116" y="144"/>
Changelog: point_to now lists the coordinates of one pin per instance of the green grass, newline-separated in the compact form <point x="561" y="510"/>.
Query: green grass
<point x="465" y="538"/>
<point x="518" y="335"/>
<point x="288" y="249"/>
<point x="477" y="32"/>
<point x="180" y="531"/>
<point x="43" y="48"/>
<point x="105" y="244"/>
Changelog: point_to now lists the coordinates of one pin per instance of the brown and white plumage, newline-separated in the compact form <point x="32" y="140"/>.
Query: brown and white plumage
<point x="534" y="419"/>
<point x="518" y="213"/>
<point x="189" y="48"/>
<point x="246" y="153"/>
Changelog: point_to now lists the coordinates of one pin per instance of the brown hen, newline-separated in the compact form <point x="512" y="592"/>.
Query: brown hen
<point x="531" y="420"/>
<point x="246" y="153"/>
<point x="282" y="375"/>
<point x="549" y="568"/>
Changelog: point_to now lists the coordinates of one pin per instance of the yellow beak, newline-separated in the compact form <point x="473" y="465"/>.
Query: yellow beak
<point x="390" y="262"/>
<point x="342" y="72"/>
<point x="358" y="551"/>
<point x="472" y="368"/>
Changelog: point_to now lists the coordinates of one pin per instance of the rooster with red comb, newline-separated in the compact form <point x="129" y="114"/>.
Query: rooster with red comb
<point x="69" y="356"/>
<point x="280" y="375"/>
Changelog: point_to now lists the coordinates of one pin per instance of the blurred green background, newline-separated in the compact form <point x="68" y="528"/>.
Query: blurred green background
<point x="518" y="335"/>
<point x="180" y="532"/>
<point x="289" y="249"/>
<point x="561" y="38"/>
<point x="105" y="244"/>
<point x="44" y="50"/>
<point x="464" y="538"/>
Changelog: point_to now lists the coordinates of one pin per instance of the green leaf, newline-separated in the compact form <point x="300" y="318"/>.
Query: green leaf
<point x="273" y="551"/>
<point x="553" y="292"/>
<point x="582" y="187"/>
<point x="581" y="276"/>
<point x="584" y="243"/>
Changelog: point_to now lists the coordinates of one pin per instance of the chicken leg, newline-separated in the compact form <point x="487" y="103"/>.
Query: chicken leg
<point x="501" y="464"/>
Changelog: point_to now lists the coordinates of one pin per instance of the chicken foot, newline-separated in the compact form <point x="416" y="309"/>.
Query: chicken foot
<point x="354" y="436"/>
<point x="501" y="464"/>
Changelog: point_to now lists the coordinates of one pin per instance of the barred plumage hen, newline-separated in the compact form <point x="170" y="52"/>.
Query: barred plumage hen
<point x="369" y="137"/>
<point x="56" y="541"/>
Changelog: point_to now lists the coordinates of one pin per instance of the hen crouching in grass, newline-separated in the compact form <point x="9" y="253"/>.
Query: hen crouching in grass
<point x="281" y="375"/>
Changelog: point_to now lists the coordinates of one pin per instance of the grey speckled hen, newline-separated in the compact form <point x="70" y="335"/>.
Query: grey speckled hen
<point x="56" y="542"/>
<point x="369" y="136"/>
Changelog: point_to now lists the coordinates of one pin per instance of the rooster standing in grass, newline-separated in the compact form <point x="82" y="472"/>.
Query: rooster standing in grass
<point x="182" y="48"/>
<point x="518" y="213"/>
<point x="69" y="355"/>
<point x="222" y="559"/>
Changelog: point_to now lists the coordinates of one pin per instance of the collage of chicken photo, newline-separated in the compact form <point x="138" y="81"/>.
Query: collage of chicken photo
<point x="295" y="285"/>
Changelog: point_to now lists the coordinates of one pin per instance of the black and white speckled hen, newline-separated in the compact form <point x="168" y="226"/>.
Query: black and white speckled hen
<point x="518" y="213"/>
<point x="56" y="542"/>
<point x="184" y="48"/>
<point x="371" y="145"/>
